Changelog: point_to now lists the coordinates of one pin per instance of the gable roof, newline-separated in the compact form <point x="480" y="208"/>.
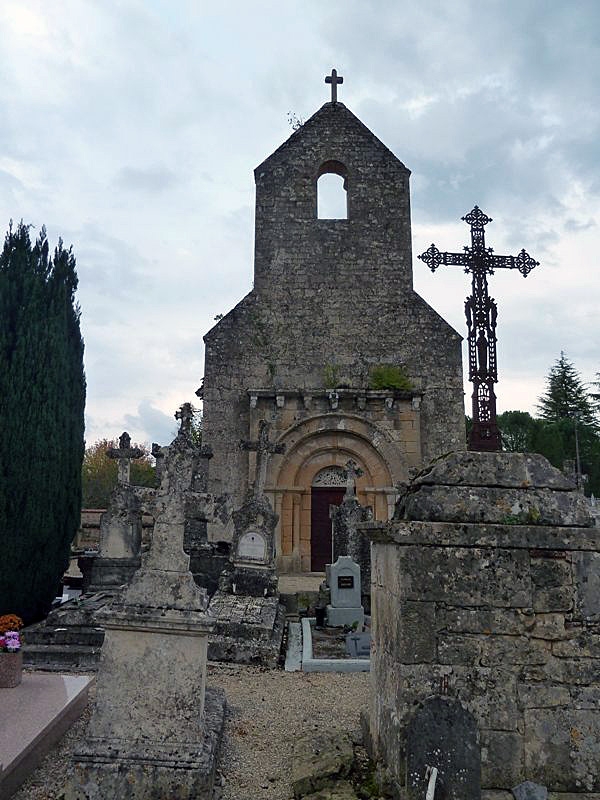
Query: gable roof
<point x="330" y="115"/>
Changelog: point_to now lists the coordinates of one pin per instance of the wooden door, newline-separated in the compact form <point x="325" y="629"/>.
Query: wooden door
<point x="320" y="525"/>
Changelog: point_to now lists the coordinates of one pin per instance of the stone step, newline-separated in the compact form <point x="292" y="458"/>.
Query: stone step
<point x="56" y="657"/>
<point x="71" y="635"/>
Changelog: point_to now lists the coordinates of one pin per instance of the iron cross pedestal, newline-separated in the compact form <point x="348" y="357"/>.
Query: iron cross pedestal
<point x="481" y="312"/>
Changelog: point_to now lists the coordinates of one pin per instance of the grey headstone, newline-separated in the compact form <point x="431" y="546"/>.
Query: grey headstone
<point x="344" y="578"/>
<point x="443" y="734"/>
<point x="528" y="790"/>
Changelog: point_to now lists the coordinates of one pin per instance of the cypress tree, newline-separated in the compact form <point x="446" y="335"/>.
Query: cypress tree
<point x="42" y="400"/>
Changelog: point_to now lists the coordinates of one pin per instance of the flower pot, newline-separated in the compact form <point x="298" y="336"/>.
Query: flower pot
<point x="11" y="668"/>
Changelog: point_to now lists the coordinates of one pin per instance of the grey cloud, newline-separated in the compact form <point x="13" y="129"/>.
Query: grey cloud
<point x="157" y="426"/>
<point x="151" y="179"/>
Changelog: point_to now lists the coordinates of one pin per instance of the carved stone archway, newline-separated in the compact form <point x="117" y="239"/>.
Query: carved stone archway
<point x="317" y="444"/>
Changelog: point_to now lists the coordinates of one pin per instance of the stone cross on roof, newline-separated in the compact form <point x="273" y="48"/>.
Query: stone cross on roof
<point x="334" y="80"/>
<point x="264" y="448"/>
<point x="351" y="472"/>
<point x="186" y="415"/>
<point x="124" y="453"/>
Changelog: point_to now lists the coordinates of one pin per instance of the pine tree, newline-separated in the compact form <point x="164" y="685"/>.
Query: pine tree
<point x="42" y="399"/>
<point x="566" y="395"/>
<point x="595" y="394"/>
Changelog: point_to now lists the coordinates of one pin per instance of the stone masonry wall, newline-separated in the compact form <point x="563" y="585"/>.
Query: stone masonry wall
<point x="331" y="298"/>
<point x="506" y="618"/>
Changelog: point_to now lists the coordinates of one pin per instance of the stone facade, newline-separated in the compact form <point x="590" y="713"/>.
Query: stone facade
<point x="498" y="613"/>
<point x="332" y="300"/>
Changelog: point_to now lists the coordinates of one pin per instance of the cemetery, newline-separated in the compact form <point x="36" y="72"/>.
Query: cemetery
<point x="338" y="597"/>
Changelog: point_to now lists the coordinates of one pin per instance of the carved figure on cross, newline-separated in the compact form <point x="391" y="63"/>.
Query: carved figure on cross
<point x="263" y="448"/>
<point x="351" y="472"/>
<point x="481" y="312"/>
<point x="124" y="453"/>
<point x="333" y="80"/>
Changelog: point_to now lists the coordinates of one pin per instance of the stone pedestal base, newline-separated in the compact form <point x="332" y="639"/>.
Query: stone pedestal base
<point x="248" y="630"/>
<point x="254" y="581"/>
<point x="131" y="770"/>
<point x="338" y="617"/>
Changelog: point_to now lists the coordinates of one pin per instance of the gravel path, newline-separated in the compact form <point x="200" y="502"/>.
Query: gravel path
<point x="267" y="710"/>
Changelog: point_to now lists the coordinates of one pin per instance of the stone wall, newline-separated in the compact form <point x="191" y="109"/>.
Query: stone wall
<point x="503" y="617"/>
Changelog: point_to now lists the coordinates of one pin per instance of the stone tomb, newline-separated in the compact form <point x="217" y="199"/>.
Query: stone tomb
<point x="485" y="589"/>
<point x="344" y="608"/>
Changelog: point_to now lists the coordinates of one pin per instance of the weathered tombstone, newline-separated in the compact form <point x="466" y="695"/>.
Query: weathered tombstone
<point x="344" y="583"/>
<point x="249" y="617"/>
<point x="253" y="547"/>
<point x="442" y="734"/>
<point x="120" y="526"/>
<point x="151" y="734"/>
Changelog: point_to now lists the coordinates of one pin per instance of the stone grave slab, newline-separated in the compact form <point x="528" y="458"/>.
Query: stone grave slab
<point x="248" y="630"/>
<point x="41" y="709"/>
<point x="443" y="734"/>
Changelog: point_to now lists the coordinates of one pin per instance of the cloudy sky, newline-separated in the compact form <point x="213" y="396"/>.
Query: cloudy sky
<point x="131" y="128"/>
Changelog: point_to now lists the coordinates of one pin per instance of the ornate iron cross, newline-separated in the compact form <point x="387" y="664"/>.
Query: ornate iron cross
<point x="333" y="80"/>
<point x="481" y="312"/>
<point x="263" y="448"/>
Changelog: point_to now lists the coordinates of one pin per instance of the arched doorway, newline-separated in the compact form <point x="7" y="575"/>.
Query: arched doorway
<point x="327" y="490"/>
<point x="313" y="448"/>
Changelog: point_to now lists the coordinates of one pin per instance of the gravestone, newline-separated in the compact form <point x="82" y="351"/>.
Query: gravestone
<point x="120" y="526"/>
<point x="443" y="734"/>
<point x="358" y="645"/>
<point x="154" y="732"/>
<point x="344" y="584"/>
<point x="348" y="538"/>
<point x="253" y="547"/>
<point x="249" y="618"/>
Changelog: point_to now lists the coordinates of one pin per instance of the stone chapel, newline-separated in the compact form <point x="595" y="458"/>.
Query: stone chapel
<point x="332" y="306"/>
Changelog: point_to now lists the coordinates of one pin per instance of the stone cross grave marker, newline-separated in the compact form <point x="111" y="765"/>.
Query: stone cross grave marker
<point x="334" y="80"/>
<point x="344" y="583"/>
<point x="263" y="448"/>
<point x="442" y="734"/>
<point x="351" y="472"/>
<point x="185" y="415"/>
<point x="124" y="453"/>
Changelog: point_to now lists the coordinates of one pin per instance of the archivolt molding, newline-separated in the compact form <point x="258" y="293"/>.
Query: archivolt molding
<point x="340" y="437"/>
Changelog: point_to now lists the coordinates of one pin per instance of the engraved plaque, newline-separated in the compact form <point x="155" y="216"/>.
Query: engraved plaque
<point x="252" y="547"/>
